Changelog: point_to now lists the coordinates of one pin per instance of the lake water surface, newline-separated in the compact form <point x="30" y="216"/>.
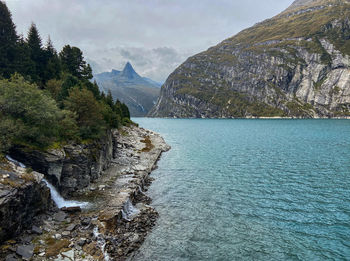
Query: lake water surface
<point x="251" y="190"/>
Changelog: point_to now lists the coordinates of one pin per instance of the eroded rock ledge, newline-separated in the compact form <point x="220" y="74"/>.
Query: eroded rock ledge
<point x="23" y="196"/>
<point x="119" y="215"/>
<point x="72" y="167"/>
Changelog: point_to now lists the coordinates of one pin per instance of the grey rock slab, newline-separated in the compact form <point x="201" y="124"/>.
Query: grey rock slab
<point x="25" y="251"/>
<point x="37" y="230"/>
<point x="69" y="254"/>
<point x="60" y="216"/>
<point x="27" y="238"/>
<point x="71" y="227"/>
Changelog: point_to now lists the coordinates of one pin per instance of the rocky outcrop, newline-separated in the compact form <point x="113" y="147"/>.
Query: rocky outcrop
<point x="119" y="215"/>
<point x="296" y="64"/>
<point x="23" y="196"/>
<point x="72" y="167"/>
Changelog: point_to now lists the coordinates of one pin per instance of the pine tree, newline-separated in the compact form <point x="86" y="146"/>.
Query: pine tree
<point x="53" y="66"/>
<point x="109" y="99"/>
<point x="87" y="72"/>
<point x="8" y="42"/>
<point x="36" y="53"/>
<point x="93" y="87"/>
<point x="73" y="62"/>
<point x="24" y="64"/>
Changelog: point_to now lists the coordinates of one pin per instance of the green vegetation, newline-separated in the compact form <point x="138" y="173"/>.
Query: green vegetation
<point x="318" y="24"/>
<point x="298" y="109"/>
<point x="328" y="22"/>
<point x="335" y="91"/>
<point x="232" y="102"/>
<point x="46" y="98"/>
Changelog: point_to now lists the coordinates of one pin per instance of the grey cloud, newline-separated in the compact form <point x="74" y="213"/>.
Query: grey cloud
<point x="156" y="63"/>
<point x="156" y="35"/>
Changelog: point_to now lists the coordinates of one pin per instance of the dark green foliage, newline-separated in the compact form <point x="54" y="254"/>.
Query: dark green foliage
<point x="300" y="110"/>
<point x="109" y="98"/>
<point x="53" y="64"/>
<point x="37" y="54"/>
<point x="125" y="111"/>
<point x="8" y="42"/>
<point x="54" y="101"/>
<point x="34" y="114"/>
<point x="69" y="81"/>
<point x="93" y="87"/>
<point x="73" y="62"/>
<point x="88" y="111"/>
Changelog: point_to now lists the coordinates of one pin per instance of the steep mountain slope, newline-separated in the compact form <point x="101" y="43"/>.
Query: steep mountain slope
<point x="294" y="64"/>
<point x="138" y="93"/>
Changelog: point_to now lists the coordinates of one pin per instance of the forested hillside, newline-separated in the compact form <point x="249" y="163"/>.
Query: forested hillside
<point x="46" y="97"/>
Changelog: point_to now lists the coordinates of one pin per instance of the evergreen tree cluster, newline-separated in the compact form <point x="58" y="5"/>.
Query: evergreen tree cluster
<point x="48" y="97"/>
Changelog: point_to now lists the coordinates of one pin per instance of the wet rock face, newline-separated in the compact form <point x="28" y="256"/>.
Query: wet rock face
<point x="74" y="166"/>
<point x="22" y="197"/>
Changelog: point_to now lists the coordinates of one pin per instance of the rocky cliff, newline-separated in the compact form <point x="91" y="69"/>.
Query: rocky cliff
<point x="71" y="167"/>
<point x="295" y="64"/>
<point x="23" y="195"/>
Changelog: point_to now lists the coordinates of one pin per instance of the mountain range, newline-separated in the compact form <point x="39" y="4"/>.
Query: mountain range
<point x="138" y="93"/>
<point x="295" y="64"/>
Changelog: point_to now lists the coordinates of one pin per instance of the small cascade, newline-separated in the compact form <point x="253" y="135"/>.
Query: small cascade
<point x="101" y="242"/>
<point x="16" y="162"/>
<point x="129" y="211"/>
<point x="60" y="201"/>
<point x="56" y="197"/>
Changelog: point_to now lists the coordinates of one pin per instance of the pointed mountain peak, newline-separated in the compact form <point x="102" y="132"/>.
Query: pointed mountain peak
<point x="128" y="66"/>
<point x="129" y="71"/>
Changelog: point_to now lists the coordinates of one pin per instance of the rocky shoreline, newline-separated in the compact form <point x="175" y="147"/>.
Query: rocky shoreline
<point x="118" y="216"/>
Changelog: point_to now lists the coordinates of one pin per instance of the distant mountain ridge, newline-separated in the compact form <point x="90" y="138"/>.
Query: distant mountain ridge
<point x="137" y="92"/>
<point x="296" y="64"/>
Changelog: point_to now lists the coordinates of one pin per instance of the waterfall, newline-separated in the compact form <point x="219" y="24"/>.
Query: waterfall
<point x="17" y="163"/>
<point x="60" y="201"/>
<point x="56" y="197"/>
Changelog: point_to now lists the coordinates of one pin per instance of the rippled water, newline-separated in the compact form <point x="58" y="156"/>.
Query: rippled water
<point x="251" y="190"/>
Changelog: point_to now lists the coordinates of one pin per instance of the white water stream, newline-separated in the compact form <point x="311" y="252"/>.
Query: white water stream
<point x="101" y="242"/>
<point x="60" y="201"/>
<point x="55" y="195"/>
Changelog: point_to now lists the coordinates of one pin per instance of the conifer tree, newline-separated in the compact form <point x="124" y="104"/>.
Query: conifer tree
<point x="36" y="53"/>
<point x="109" y="99"/>
<point x="73" y="62"/>
<point x="24" y="64"/>
<point x="53" y="66"/>
<point x="8" y="42"/>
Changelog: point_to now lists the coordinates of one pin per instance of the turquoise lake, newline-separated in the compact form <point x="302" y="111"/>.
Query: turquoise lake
<point x="251" y="190"/>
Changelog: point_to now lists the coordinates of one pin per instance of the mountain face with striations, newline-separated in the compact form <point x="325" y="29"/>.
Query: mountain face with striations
<point x="138" y="93"/>
<point x="295" y="64"/>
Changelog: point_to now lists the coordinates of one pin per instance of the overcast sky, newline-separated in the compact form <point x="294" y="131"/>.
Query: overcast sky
<point x="154" y="35"/>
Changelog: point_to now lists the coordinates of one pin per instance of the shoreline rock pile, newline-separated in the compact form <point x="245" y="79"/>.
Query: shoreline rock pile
<point x="119" y="216"/>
